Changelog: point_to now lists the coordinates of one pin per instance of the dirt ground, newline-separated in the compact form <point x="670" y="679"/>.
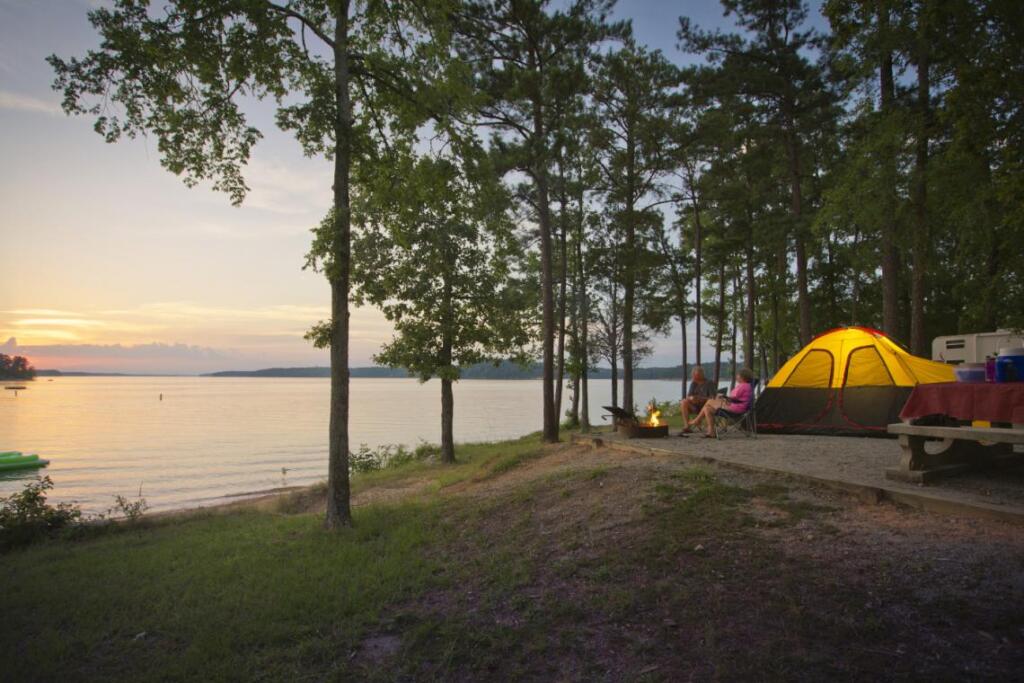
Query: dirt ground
<point x="603" y="565"/>
<point x="582" y="563"/>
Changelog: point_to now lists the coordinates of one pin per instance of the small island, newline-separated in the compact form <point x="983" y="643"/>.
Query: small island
<point x="16" y="368"/>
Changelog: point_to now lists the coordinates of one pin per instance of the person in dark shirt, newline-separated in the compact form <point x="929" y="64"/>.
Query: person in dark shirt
<point x="699" y="392"/>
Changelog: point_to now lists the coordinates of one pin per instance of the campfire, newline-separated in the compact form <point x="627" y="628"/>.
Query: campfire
<point x="653" y="414"/>
<point x="632" y="427"/>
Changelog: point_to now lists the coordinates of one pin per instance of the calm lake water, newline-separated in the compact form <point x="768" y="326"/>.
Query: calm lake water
<point x="212" y="438"/>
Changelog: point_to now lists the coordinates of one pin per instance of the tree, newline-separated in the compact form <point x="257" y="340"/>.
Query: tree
<point x="771" y="68"/>
<point x="607" y="334"/>
<point x="676" y="260"/>
<point x="633" y="97"/>
<point x="865" y="43"/>
<point x="16" y="367"/>
<point x="524" y="58"/>
<point x="434" y="249"/>
<point x="182" y="75"/>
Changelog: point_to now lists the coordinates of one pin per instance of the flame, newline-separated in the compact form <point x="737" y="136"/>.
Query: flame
<point x="652" y="416"/>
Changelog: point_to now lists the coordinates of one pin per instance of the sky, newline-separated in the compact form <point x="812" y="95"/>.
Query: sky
<point x="109" y="263"/>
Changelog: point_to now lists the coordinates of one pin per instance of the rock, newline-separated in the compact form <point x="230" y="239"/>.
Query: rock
<point x="698" y="548"/>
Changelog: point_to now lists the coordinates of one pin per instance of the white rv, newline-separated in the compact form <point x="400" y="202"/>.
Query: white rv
<point x="973" y="348"/>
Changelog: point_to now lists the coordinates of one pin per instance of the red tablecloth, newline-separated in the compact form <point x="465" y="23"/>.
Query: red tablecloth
<point x="968" y="401"/>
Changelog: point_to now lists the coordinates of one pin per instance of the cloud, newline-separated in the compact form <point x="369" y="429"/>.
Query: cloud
<point x="152" y="358"/>
<point x="19" y="102"/>
<point x="143" y="338"/>
<point x="152" y="350"/>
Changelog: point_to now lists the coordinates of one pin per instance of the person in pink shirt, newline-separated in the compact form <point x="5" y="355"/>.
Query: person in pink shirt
<point x="738" y="402"/>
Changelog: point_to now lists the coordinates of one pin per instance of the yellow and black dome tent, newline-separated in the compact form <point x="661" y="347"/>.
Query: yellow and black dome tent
<point x="851" y="380"/>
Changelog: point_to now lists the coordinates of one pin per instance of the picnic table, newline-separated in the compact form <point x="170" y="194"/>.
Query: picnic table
<point x="933" y="451"/>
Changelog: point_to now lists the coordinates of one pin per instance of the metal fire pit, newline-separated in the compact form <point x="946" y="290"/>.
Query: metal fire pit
<point x="643" y="431"/>
<point x="629" y="426"/>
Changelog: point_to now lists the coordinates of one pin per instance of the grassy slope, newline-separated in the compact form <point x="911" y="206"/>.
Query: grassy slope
<point x="521" y="562"/>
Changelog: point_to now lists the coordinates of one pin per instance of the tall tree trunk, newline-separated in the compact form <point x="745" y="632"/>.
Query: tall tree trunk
<point x="732" y="341"/>
<point x="890" y="255"/>
<point x="749" y="316"/>
<point x="627" y="348"/>
<point x="855" y="293"/>
<point x="778" y="296"/>
<point x="629" y="293"/>
<point x="575" y="339"/>
<point x="539" y="152"/>
<point x="615" y="383"/>
<point x="447" y="397"/>
<point x="550" y="433"/>
<point x="679" y="285"/>
<point x="685" y="364"/>
<point x="563" y="274"/>
<point x="796" y="208"/>
<point x="776" y="347"/>
<point x="830" y="282"/>
<point x="614" y="341"/>
<point x="698" y="238"/>
<point x="339" y="513"/>
<point x="447" y="422"/>
<point x="574" y="407"/>
<point x="920" y="257"/>
<point x="720" y="332"/>
<point x="584" y="345"/>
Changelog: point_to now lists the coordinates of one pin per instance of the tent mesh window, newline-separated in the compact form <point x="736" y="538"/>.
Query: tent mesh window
<point x="865" y="368"/>
<point x="814" y="370"/>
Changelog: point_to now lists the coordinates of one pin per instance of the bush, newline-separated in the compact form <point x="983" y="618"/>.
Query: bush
<point x="131" y="511"/>
<point x="368" y="459"/>
<point x="26" y="517"/>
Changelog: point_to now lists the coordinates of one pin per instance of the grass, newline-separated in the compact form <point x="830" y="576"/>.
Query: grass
<point x="244" y="595"/>
<point x="589" y="571"/>
<point x="475" y="462"/>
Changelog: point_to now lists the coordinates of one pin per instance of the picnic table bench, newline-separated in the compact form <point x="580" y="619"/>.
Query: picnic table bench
<point x="958" y="449"/>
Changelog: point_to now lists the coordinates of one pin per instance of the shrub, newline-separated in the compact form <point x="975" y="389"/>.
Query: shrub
<point x="130" y="511"/>
<point x="368" y="459"/>
<point x="26" y="517"/>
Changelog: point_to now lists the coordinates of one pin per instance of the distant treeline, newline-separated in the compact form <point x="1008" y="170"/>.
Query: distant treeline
<point x="62" y="373"/>
<point x="15" y="367"/>
<point x="504" y="370"/>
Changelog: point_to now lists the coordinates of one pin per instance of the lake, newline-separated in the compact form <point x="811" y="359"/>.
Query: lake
<point x="212" y="438"/>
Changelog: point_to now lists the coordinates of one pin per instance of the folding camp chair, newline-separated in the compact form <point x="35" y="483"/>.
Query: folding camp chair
<point x="746" y="422"/>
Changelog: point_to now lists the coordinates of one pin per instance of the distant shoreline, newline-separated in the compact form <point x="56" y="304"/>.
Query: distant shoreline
<point x="504" y="370"/>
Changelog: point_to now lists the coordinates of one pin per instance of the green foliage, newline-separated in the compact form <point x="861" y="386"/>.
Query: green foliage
<point x="389" y="456"/>
<point x="434" y="250"/>
<point x="129" y="510"/>
<point x="26" y="517"/>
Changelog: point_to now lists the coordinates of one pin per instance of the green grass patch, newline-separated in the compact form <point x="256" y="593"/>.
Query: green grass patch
<point x="239" y="596"/>
<point x="474" y="462"/>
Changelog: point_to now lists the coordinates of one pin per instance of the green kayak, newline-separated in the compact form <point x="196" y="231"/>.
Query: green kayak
<point x="13" y="460"/>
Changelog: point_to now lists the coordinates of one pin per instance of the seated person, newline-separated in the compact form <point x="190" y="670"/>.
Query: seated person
<point x="737" y="402"/>
<point x="699" y="392"/>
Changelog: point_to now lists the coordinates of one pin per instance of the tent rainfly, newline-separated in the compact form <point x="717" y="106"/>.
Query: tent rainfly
<point x="849" y="381"/>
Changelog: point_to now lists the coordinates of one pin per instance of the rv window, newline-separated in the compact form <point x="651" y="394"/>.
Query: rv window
<point x="955" y="343"/>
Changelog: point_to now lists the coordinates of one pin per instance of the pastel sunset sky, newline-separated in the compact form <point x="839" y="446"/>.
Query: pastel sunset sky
<point x="108" y="262"/>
